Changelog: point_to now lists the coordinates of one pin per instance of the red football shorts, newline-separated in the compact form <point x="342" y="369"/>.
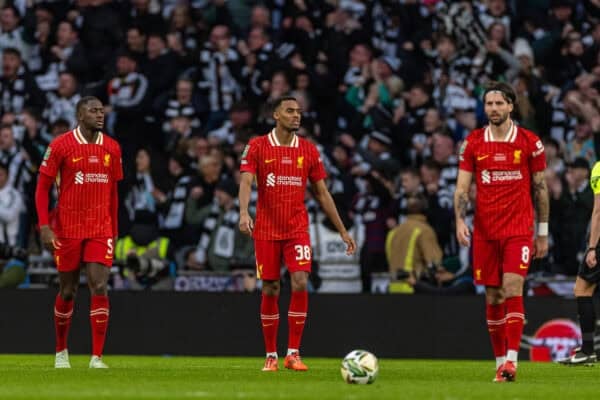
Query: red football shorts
<point x="73" y="252"/>
<point x="492" y="258"/>
<point x="295" y="253"/>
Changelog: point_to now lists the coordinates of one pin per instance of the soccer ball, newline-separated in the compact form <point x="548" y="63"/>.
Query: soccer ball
<point x="360" y="366"/>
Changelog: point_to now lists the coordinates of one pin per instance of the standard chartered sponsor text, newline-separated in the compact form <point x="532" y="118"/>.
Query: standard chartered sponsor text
<point x="506" y="175"/>
<point x="289" y="180"/>
<point x="96" y="178"/>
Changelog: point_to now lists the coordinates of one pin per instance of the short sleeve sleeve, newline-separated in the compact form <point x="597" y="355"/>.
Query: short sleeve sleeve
<point x="466" y="159"/>
<point x="595" y="178"/>
<point x="249" y="161"/>
<point x="52" y="160"/>
<point x="317" y="170"/>
<point x="538" y="156"/>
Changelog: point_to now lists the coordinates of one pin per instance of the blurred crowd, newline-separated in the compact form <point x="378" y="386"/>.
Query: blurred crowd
<point x="388" y="89"/>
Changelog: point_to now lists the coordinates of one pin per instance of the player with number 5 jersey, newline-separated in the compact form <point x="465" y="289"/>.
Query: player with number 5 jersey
<point x="85" y="165"/>
<point x="282" y="164"/>
<point x="506" y="163"/>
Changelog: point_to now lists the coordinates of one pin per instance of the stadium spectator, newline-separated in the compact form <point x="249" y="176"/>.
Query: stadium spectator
<point x="219" y="75"/>
<point x="143" y="190"/>
<point x="14" y="34"/>
<point x="61" y="104"/>
<point x="11" y="206"/>
<point x="412" y="247"/>
<point x="18" y="88"/>
<point x="127" y="95"/>
<point x="68" y="54"/>
<point x="221" y="246"/>
<point x="571" y="210"/>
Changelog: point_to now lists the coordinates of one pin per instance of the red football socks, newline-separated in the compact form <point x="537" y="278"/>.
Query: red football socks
<point x="99" y="323"/>
<point x="269" y="317"/>
<point x="515" y="316"/>
<point x="496" y="322"/>
<point x="297" y="317"/>
<point x="63" y="310"/>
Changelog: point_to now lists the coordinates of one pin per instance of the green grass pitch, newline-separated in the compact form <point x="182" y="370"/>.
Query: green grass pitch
<point x="130" y="377"/>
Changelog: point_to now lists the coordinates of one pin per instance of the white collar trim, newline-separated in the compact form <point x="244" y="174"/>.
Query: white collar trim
<point x="275" y="142"/>
<point x="81" y="139"/>
<point x="510" y="137"/>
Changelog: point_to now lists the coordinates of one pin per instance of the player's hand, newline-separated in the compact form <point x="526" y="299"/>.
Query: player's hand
<point x="540" y="248"/>
<point x="246" y="224"/>
<point x="590" y="258"/>
<point x="463" y="234"/>
<point x="48" y="239"/>
<point x="350" y="243"/>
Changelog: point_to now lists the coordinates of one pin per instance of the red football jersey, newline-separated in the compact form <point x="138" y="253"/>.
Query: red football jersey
<point x="282" y="173"/>
<point x="85" y="174"/>
<point x="502" y="172"/>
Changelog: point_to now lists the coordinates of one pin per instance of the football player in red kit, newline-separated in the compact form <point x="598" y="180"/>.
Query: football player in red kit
<point x="507" y="164"/>
<point x="282" y="164"/>
<point x="85" y="165"/>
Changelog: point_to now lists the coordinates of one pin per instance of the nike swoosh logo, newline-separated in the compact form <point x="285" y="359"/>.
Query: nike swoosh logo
<point x="270" y="161"/>
<point x="521" y="266"/>
<point x="303" y="262"/>
<point x="107" y="257"/>
<point x="76" y="159"/>
<point x="265" y="325"/>
<point x="479" y="158"/>
<point x="299" y="322"/>
<point x="99" y="321"/>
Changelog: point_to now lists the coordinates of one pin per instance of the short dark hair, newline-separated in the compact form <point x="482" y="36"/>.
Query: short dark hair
<point x="411" y="171"/>
<point x="416" y="203"/>
<point x="433" y="165"/>
<point x="281" y="99"/>
<point x="84" y="101"/>
<point x="14" y="51"/>
<point x="505" y="89"/>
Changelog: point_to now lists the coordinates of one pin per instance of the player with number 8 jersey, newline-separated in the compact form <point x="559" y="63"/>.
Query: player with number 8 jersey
<point x="506" y="163"/>
<point x="282" y="164"/>
<point x="85" y="166"/>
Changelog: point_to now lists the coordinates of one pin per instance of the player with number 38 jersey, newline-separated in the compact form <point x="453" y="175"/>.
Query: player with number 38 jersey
<point x="281" y="164"/>
<point x="282" y="174"/>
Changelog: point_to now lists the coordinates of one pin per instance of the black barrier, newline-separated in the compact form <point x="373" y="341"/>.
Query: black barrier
<point x="228" y="324"/>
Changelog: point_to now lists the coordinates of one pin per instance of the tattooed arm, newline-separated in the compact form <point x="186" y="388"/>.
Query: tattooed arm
<point x="542" y="208"/>
<point x="461" y="204"/>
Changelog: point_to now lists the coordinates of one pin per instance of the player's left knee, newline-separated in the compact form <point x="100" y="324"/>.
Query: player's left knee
<point x="98" y="288"/>
<point x="299" y="281"/>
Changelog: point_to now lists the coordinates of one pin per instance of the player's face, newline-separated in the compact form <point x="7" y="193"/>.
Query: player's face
<point x="92" y="115"/>
<point x="497" y="108"/>
<point x="288" y="115"/>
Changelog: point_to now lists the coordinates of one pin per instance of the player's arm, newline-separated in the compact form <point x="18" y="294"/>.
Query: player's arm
<point x="328" y="205"/>
<point x="246" y="223"/>
<point x="591" y="256"/>
<point x="42" y="201"/>
<point x="461" y="205"/>
<point x="542" y="207"/>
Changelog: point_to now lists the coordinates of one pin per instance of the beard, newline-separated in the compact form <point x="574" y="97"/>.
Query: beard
<point x="502" y="119"/>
